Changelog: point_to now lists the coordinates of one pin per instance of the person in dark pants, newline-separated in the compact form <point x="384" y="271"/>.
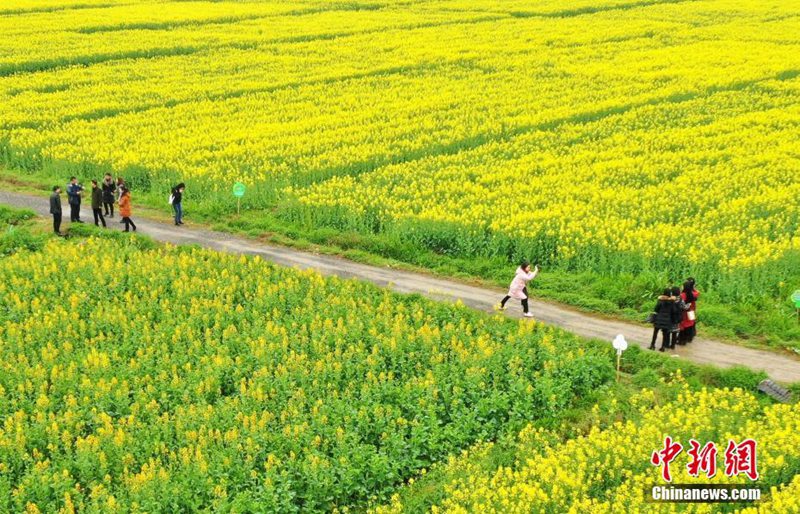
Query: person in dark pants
<point x="689" y="322"/>
<point x="665" y="314"/>
<point x="677" y="315"/>
<point x="518" y="288"/>
<point x="108" y="195"/>
<point x="74" y="191"/>
<point x="120" y="186"/>
<point x="55" y="209"/>
<point x="125" y="209"/>
<point x="177" y="197"/>
<point x="97" y="202"/>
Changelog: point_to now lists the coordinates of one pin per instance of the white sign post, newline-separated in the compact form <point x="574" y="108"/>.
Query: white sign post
<point x="620" y="345"/>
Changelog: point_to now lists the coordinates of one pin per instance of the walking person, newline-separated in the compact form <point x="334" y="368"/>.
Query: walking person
<point x="120" y="186"/>
<point x="519" y="287"/>
<point x="689" y="321"/>
<point x="74" y="191"/>
<point x="108" y="195"/>
<point x="97" y="202"/>
<point x="665" y="317"/>
<point x="55" y="209"/>
<point x="175" y="199"/>
<point x="125" y="209"/>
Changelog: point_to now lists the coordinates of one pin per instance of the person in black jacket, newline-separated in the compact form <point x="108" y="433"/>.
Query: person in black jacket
<point x="108" y="195"/>
<point x="177" y="198"/>
<point x="666" y="314"/>
<point x="97" y="202"/>
<point x="678" y="316"/>
<point x="55" y="209"/>
<point x="74" y="191"/>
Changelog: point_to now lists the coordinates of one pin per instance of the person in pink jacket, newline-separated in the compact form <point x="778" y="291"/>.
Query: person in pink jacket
<point x="518" y="288"/>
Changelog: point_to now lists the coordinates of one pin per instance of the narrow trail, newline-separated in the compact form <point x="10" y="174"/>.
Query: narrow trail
<point x="704" y="351"/>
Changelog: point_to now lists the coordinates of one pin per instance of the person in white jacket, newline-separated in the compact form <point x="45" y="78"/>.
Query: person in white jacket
<point x="518" y="288"/>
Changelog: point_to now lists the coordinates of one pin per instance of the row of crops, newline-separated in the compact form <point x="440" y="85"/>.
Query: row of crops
<point x="176" y="380"/>
<point x="646" y="141"/>
<point x="604" y="471"/>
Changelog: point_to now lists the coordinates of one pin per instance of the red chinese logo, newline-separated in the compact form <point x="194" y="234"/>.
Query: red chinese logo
<point x="666" y="456"/>
<point x="739" y="458"/>
<point x="702" y="459"/>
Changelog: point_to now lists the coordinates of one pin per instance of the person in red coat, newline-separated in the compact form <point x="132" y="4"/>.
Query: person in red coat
<point x="125" y="209"/>
<point x="689" y="322"/>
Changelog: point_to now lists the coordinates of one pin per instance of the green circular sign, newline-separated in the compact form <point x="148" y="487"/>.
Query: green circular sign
<point x="238" y="190"/>
<point x="796" y="298"/>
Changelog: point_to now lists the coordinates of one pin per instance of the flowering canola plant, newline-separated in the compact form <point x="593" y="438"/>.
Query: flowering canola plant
<point x="173" y="379"/>
<point x="609" y="470"/>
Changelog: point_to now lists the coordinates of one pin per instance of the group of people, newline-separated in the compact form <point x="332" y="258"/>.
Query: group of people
<point x="103" y="197"/>
<point x="675" y="316"/>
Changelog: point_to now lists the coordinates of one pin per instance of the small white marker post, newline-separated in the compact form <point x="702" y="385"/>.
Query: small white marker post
<point x="620" y="344"/>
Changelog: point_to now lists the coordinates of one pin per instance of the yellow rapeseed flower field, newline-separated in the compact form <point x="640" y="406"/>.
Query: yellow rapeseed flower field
<point x="623" y="145"/>
<point x="608" y="470"/>
<point x="596" y="135"/>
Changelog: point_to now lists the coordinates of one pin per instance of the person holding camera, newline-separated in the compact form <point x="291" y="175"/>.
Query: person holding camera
<point x="176" y="199"/>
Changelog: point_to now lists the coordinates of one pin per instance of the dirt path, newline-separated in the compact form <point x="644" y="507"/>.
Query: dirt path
<point x="704" y="351"/>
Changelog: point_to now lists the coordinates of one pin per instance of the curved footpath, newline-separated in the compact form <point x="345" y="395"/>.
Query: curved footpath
<point x="704" y="351"/>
